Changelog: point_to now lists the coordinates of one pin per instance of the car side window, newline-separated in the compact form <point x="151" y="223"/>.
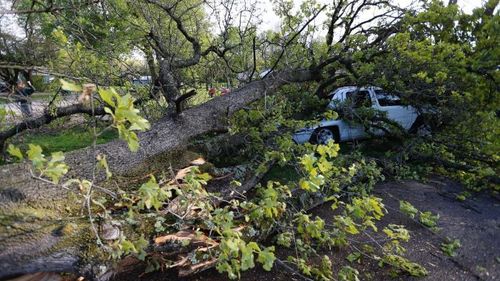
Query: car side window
<point x="359" y="98"/>
<point x="385" y="99"/>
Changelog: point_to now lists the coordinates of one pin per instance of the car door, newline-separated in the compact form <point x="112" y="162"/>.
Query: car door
<point x="356" y="99"/>
<point x="336" y="103"/>
<point x="392" y="105"/>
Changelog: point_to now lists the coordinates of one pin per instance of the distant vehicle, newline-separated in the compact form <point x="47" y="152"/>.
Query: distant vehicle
<point x="4" y="87"/>
<point x="142" y="80"/>
<point x="340" y="130"/>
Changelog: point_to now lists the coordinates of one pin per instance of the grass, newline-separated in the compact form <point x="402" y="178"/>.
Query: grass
<point x="200" y="97"/>
<point x="66" y="140"/>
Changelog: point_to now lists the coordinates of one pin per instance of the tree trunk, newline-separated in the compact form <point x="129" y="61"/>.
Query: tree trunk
<point x="168" y="84"/>
<point x="40" y="228"/>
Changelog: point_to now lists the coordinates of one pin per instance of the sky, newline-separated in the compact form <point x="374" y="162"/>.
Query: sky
<point x="271" y="21"/>
<point x="269" y="18"/>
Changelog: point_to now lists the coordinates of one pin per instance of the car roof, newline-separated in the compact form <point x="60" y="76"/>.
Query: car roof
<point x="352" y="88"/>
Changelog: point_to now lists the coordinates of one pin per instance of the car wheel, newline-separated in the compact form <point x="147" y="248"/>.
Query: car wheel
<point x="324" y="135"/>
<point x="420" y="128"/>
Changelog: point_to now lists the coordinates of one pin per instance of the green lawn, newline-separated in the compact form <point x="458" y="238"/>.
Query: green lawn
<point x="38" y="96"/>
<point x="65" y="140"/>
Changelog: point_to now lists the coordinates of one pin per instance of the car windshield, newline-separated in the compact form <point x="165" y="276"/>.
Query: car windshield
<point x="385" y="99"/>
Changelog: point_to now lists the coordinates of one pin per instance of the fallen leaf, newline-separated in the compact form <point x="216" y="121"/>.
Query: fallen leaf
<point x="198" y="162"/>
<point x="185" y="235"/>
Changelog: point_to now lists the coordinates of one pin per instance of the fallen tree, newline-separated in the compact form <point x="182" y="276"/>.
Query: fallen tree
<point x="45" y="221"/>
<point x="19" y="190"/>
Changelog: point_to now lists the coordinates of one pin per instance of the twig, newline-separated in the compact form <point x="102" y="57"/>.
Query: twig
<point x="291" y="270"/>
<point x="44" y="180"/>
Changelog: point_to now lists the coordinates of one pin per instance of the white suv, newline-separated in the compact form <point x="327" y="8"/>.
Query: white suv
<point x="355" y="97"/>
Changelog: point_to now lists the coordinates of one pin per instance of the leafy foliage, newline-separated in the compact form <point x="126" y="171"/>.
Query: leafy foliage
<point x="54" y="168"/>
<point x="443" y="65"/>
<point x="151" y="195"/>
<point x="427" y="218"/>
<point x="450" y="247"/>
<point x="15" y="151"/>
<point x="125" y="116"/>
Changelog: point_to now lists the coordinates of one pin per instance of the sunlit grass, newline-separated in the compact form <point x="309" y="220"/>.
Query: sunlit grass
<point x="65" y="140"/>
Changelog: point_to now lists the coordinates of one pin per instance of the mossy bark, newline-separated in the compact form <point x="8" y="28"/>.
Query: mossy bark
<point x="42" y="227"/>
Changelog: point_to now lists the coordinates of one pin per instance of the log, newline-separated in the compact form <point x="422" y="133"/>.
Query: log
<point x="40" y="229"/>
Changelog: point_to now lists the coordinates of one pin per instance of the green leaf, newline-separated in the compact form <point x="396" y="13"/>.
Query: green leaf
<point x="307" y="162"/>
<point x="15" y="151"/>
<point x="408" y="209"/>
<point x="103" y="163"/>
<point x="247" y="256"/>
<point x="451" y="247"/>
<point x="348" y="273"/>
<point x="285" y="239"/>
<point x="128" y="247"/>
<point x="324" y="165"/>
<point x="151" y="195"/>
<point x="397" y="232"/>
<point x="307" y="185"/>
<point x="140" y="245"/>
<point x="376" y="207"/>
<point x="130" y="137"/>
<point x="108" y="95"/>
<point x="267" y="258"/>
<point x="109" y="111"/>
<point x="204" y="177"/>
<point x="330" y="149"/>
<point x="56" y="168"/>
<point x="352" y="257"/>
<point x="56" y="171"/>
<point x="331" y="115"/>
<point x="428" y="219"/>
<point x="68" y="86"/>
<point x="35" y="155"/>
<point x="232" y="245"/>
<point x="57" y="157"/>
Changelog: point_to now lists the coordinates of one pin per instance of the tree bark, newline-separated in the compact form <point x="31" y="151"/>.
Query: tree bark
<point x="168" y="84"/>
<point x="34" y="222"/>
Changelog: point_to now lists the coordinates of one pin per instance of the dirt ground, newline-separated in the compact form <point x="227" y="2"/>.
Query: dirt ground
<point x="475" y="222"/>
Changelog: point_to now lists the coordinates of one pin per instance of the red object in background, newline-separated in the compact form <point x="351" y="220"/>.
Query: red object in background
<point x="224" y="91"/>
<point x="211" y="92"/>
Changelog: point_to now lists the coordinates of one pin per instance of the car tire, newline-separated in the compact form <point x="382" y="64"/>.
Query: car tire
<point x="419" y="121"/>
<point x="324" y="135"/>
<point x="419" y="128"/>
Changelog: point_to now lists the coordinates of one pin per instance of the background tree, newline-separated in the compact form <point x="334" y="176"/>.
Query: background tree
<point x="444" y="64"/>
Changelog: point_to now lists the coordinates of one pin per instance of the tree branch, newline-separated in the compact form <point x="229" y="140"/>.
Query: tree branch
<point x="46" y="9"/>
<point x="292" y="39"/>
<point x="180" y="26"/>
